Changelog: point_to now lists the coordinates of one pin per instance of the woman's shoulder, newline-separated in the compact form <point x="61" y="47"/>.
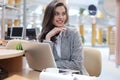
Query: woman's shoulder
<point x="72" y="29"/>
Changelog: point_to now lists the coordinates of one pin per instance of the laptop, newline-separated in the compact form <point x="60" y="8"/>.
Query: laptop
<point x="39" y="55"/>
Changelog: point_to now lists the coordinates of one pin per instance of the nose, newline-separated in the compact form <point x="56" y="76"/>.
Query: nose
<point x="60" y="16"/>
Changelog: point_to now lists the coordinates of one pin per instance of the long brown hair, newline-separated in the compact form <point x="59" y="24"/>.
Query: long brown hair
<point x="48" y="18"/>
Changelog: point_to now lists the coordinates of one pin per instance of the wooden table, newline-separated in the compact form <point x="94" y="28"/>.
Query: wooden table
<point x="11" y="60"/>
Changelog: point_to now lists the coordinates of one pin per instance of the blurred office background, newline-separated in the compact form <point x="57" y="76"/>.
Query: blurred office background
<point x="27" y="14"/>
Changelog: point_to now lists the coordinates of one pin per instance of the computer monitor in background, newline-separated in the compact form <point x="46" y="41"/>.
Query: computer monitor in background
<point x="7" y="36"/>
<point x="31" y="33"/>
<point x="8" y="32"/>
<point x="16" y="32"/>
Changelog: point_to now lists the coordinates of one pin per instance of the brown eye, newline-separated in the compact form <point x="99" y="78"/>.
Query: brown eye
<point x="56" y="13"/>
<point x="64" y="13"/>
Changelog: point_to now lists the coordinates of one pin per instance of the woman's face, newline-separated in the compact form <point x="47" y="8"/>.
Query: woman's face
<point x="59" y="16"/>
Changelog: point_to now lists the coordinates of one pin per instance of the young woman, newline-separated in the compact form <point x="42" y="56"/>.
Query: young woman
<point x="65" y="41"/>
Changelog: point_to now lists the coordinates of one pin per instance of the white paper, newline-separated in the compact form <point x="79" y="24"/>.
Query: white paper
<point x="54" y="76"/>
<point x="84" y="77"/>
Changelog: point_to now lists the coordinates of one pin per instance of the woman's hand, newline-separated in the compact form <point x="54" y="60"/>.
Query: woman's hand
<point x="53" y="32"/>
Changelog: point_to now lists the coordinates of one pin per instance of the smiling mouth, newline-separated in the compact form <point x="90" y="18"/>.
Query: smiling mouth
<point x="60" y="22"/>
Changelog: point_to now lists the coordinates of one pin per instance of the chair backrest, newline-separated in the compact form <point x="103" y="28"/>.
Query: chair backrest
<point x="92" y="61"/>
<point x="12" y="44"/>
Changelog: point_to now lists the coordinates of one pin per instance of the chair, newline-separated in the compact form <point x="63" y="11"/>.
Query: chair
<point x="12" y="44"/>
<point x="92" y="61"/>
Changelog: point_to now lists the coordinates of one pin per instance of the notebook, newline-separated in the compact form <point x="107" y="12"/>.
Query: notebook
<point x="39" y="55"/>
